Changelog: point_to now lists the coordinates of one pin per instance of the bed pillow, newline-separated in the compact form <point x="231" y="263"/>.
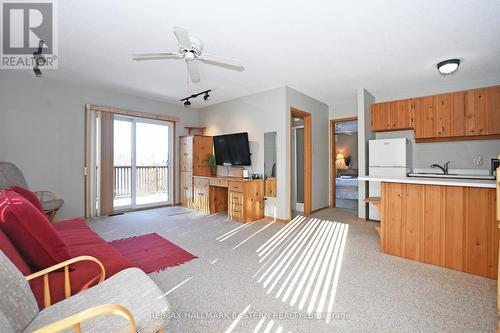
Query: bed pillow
<point x="28" y="195"/>
<point x="30" y="231"/>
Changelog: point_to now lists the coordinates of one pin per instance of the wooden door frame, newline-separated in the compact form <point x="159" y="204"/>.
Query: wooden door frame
<point x="333" y="171"/>
<point x="306" y="116"/>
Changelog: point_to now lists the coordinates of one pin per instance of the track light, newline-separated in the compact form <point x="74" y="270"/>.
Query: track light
<point x="205" y="94"/>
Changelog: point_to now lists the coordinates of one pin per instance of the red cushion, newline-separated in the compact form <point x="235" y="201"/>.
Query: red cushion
<point x="10" y="251"/>
<point x="28" y="195"/>
<point x="33" y="235"/>
<point x="81" y="240"/>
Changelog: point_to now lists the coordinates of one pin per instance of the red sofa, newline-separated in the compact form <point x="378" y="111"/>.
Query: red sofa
<point x="80" y="240"/>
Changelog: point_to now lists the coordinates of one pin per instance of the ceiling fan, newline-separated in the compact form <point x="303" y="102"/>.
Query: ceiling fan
<point x="190" y="49"/>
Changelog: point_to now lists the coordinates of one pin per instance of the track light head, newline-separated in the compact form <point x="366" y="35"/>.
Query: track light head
<point x="206" y="97"/>
<point x="187" y="103"/>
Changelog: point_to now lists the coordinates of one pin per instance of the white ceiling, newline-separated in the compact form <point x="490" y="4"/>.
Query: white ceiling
<point x="325" y="49"/>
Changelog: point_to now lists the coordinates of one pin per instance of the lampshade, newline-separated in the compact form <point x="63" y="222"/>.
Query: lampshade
<point x="340" y="162"/>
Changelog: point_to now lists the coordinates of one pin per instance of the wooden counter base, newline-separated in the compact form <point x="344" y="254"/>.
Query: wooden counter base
<point x="448" y="226"/>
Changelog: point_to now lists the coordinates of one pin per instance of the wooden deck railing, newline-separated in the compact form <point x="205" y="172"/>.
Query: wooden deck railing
<point x="149" y="180"/>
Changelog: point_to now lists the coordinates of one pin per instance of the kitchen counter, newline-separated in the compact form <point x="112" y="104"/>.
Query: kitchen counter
<point x="484" y="183"/>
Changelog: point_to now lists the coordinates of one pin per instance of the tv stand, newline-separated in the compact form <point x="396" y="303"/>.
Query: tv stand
<point x="243" y="199"/>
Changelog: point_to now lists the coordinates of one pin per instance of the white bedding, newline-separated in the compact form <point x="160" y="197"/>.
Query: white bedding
<point x="346" y="187"/>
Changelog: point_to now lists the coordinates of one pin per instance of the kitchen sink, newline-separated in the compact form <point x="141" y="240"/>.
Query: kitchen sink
<point x="449" y="175"/>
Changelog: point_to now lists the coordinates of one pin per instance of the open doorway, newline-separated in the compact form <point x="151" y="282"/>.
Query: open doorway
<point x="300" y="162"/>
<point x="344" y="163"/>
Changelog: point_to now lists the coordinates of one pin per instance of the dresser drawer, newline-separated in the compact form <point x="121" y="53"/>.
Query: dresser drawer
<point x="218" y="182"/>
<point x="236" y="212"/>
<point x="201" y="186"/>
<point x="236" y="186"/>
<point x="235" y="198"/>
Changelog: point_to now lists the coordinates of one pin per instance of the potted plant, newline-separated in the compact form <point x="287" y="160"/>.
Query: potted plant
<point x="212" y="164"/>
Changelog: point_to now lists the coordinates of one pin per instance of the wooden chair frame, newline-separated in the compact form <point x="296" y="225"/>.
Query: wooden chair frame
<point x="67" y="281"/>
<point x="42" y="195"/>
<point x="76" y="319"/>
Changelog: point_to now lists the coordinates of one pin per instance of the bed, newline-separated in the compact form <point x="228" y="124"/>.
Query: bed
<point x="346" y="192"/>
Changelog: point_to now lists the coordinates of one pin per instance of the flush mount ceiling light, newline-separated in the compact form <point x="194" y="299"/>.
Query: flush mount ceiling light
<point x="448" y="67"/>
<point x="206" y="97"/>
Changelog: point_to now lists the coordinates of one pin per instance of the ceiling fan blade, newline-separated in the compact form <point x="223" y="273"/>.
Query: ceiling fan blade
<point x="155" y="54"/>
<point x="182" y="37"/>
<point x="154" y="58"/>
<point x="193" y="71"/>
<point x="222" y="61"/>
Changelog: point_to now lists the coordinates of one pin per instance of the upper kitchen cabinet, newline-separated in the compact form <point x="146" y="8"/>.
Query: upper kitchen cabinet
<point x="392" y="116"/>
<point x="472" y="114"/>
<point x="483" y="111"/>
<point x="381" y="120"/>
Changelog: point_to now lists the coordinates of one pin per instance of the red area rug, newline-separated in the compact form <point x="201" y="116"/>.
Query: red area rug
<point x="151" y="252"/>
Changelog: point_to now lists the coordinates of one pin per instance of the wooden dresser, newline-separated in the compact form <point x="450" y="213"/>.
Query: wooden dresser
<point x="193" y="150"/>
<point x="243" y="199"/>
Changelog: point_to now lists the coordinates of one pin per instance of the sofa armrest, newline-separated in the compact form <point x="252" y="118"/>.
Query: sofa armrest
<point x="45" y="195"/>
<point x="67" y="281"/>
<point x="76" y="319"/>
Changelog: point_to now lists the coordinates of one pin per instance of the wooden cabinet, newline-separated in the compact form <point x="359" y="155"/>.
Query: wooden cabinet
<point x="270" y="187"/>
<point x="449" y="226"/>
<point x="392" y="116"/>
<point x="472" y="114"/>
<point x="381" y="117"/>
<point x="483" y="111"/>
<point x="193" y="150"/>
<point x="186" y="188"/>
<point x="243" y="199"/>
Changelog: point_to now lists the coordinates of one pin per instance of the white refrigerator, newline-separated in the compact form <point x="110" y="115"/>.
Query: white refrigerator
<point x="387" y="157"/>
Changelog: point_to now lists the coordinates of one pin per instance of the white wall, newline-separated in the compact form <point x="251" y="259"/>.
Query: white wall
<point x="42" y="130"/>
<point x="320" y="143"/>
<point x="343" y="110"/>
<point x="365" y="100"/>
<point x="256" y="114"/>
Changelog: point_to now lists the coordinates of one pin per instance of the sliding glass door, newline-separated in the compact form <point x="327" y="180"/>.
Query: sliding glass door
<point x="142" y="163"/>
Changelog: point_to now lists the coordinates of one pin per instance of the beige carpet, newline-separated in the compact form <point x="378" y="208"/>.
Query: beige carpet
<point x="310" y="275"/>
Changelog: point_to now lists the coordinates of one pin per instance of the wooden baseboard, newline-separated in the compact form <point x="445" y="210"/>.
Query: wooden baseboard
<point x="276" y="219"/>
<point x="322" y="208"/>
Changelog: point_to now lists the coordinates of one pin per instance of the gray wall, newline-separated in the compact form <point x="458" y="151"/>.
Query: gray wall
<point x="348" y="146"/>
<point x="42" y="130"/>
<point x="256" y="114"/>
<point x="365" y="100"/>
<point x="320" y="159"/>
<point x="343" y="110"/>
<point x="460" y="153"/>
<point x="269" y="111"/>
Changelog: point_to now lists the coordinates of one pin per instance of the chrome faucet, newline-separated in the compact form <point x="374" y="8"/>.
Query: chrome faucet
<point x="443" y="168"/>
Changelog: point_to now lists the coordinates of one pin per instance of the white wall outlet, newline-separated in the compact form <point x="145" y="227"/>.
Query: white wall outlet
<point x="477" y="161"/>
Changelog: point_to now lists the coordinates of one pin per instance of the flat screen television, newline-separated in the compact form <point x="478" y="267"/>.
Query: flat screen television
<point x="232" y="149"/>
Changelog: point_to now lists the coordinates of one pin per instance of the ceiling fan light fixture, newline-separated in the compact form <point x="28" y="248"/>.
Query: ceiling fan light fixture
<point x="448" y="67"/>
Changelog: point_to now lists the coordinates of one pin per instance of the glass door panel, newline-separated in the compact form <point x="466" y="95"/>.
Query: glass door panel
<point x="122" y="157"/>
<point x="152" y="163"/>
